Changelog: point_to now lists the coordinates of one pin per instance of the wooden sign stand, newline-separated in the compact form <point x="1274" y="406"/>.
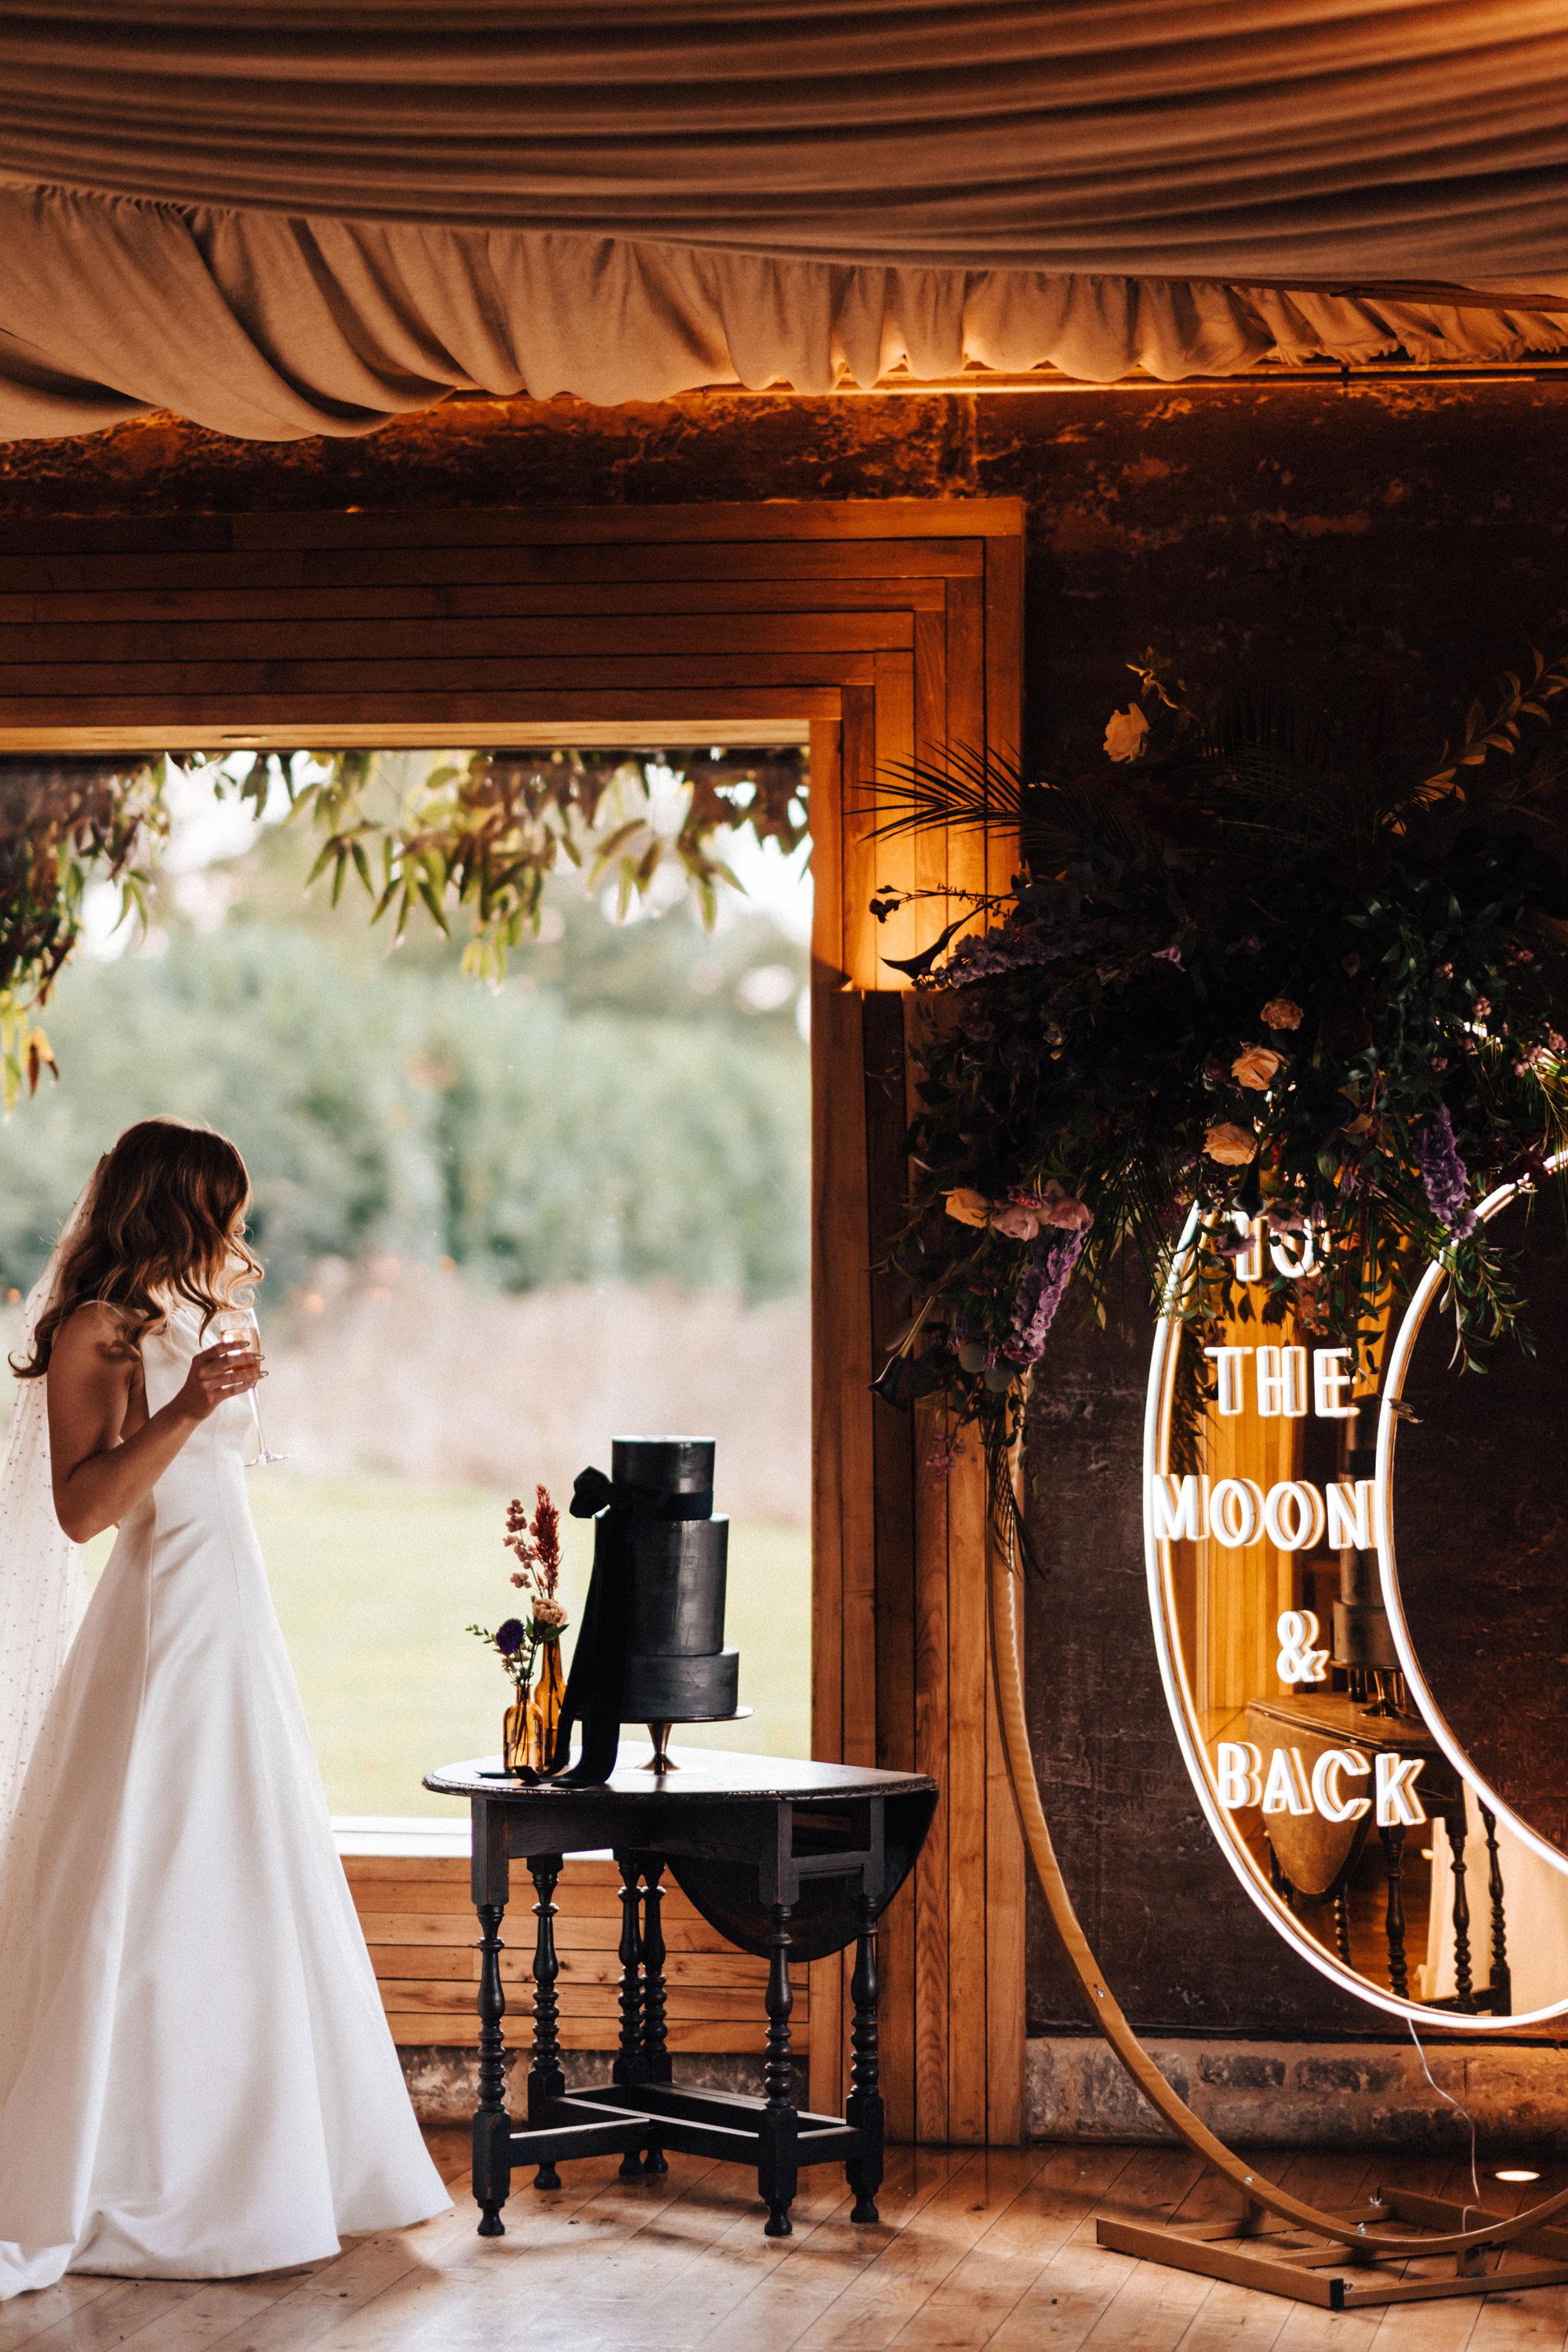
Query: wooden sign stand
<point x="1346" y="2261"/>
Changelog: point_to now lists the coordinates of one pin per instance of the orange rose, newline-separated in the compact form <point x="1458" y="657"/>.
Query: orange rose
<point x="1282" y="1013"/>
<point x="970" y="1207"/>
<point x="1233" y="1147"/>
<point x="1256" y="1066"/>
<point x="1125" y="735"/>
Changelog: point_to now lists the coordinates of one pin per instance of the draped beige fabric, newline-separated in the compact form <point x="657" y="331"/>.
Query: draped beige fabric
<point x="309" y="215"/>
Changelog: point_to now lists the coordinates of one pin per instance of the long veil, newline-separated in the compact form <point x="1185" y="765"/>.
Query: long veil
<point x="42" y="1588"/>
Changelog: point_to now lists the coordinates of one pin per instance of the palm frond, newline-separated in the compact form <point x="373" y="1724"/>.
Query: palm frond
<point x="971" y="790"/>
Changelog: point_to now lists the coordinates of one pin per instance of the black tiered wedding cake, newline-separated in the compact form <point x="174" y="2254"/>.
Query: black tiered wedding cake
<point x="651" y="1649"/>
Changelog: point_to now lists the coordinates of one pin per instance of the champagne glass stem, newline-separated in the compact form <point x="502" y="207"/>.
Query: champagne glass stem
<point x="264" y="1451"/>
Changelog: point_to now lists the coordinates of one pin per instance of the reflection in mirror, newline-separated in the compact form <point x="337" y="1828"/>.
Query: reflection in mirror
<point x="1343" y="1808"/>
<point x="1481" y="1510"/>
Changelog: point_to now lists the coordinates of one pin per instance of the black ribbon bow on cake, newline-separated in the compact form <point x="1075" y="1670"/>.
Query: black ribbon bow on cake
<point x="650" y="1645"/>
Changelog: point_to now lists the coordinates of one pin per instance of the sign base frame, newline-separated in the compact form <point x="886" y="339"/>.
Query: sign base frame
<point x="1301" y="2263"/>
<point x="1242" y="2250"/>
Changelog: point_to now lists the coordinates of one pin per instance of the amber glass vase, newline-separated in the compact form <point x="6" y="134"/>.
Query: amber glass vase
<point x="516" y="1741"/>
<point x="544" y="1707"/>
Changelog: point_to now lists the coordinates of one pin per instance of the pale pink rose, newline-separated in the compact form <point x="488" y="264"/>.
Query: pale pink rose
<point x="970" y="1207"/>
<point x="1282" y="1013"/>
<point x="1233" y="1147"/>
<point x="546" y="1611"/>
<point x="1257" y="1067"/>
<point x="1018" y="1220"/>
<point x="1125" y="736"/>
<point x="1063" y="1209"/>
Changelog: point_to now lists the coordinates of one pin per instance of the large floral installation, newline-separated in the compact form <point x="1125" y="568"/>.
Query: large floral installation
<point x="1295" y="981"/>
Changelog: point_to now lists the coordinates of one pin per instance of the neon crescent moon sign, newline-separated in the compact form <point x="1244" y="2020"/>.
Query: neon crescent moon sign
<point x="1336" y="1789"/>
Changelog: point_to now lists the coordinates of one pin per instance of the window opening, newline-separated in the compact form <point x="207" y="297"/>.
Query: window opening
<point x="502" y="1222"/>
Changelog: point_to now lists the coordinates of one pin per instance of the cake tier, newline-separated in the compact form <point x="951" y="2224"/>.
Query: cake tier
<point x="677" y="1587"/>
<point x="669" y="1477"/>
<point x="681" y="1690"/>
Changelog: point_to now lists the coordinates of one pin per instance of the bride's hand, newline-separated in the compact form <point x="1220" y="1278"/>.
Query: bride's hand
<point x="224" y="1370"/>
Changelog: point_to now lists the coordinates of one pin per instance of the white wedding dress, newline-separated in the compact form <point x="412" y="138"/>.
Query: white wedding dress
<point x="196" y="2076"/>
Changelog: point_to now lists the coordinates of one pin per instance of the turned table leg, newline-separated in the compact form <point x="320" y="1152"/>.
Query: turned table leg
<point x="546" y="2080"/>
<point x="492" y="2125"/>
<point x="654" y="2049"/>
<point x="1500" y="1986"/>
<point x="863" y="2108"/>
<point x="1393" y="1919"/>
<point x="1464" y="1988"/>
<point x="629" y="2067"/>
<point x="778" y="2145"/>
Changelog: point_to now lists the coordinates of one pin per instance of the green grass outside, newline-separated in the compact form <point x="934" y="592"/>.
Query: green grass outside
<point x="374" y="1582"/>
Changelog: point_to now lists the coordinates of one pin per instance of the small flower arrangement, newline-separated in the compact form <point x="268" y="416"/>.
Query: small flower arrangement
<point x="535" y="1545"/>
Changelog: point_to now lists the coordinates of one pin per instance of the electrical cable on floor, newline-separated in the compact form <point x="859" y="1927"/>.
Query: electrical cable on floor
<point x="1475" y="2177"/>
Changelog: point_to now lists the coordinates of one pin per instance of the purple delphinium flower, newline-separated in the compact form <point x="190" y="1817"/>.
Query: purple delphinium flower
<point x="1039" y="1295"/>
<point x="1443" y="1172"/>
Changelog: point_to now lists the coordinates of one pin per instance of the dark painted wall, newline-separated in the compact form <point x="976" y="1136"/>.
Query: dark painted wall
<point x="1184" y="1948"/>
<point x="1396" y="543"/>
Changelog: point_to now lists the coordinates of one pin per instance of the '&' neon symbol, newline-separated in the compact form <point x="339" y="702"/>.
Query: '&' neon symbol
<point x="1297" y="1661"/>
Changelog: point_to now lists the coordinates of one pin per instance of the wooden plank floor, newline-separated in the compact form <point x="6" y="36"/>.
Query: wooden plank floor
<point x="976" y="2249"/>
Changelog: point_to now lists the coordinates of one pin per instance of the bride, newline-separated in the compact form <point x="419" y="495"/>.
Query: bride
<point x="197" y="2077"/>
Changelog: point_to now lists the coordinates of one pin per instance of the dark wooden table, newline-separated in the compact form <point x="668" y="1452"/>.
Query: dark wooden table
<point x="1312" y="1861"/>
<point x="790" y="1860"/>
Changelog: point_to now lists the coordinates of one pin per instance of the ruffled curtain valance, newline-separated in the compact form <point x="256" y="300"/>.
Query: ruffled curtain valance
<point x="307" y="217"/>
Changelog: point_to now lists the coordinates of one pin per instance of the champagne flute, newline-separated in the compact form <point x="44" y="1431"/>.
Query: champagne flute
<point x="240" y="1324"/>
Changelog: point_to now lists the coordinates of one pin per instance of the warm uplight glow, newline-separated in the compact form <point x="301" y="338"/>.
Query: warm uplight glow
<point x="1516" y="2174"/>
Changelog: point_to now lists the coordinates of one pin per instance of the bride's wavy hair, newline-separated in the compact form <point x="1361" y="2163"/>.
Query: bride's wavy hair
<point x="165" y="1222"/>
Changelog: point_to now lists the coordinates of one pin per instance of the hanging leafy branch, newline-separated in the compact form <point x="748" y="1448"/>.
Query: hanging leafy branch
<point x="1500" y="730"/>
<point x="482" y="834"/>
<point x="476" y="835"/>
<point x="64" y="824"/>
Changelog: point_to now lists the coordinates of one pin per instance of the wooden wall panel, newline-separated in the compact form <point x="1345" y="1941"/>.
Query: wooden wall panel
<point x="417" y="1915"/>
<point x="881" y="631"/>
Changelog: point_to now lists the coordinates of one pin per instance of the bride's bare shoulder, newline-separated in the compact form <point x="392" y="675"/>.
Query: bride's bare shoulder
<point x="94" y="1334"/>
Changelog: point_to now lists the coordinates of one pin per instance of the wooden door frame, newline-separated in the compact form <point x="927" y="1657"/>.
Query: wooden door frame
<point x="887" y="630"/>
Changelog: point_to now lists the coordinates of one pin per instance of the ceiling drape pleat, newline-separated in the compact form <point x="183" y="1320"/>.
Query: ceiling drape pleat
<point x="310" y="216"/>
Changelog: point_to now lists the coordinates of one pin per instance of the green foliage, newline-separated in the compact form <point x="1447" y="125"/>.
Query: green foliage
<point x="1253" y="968"/>
<point x="585" y="1122"/>
<point x="483" y="832"/>
<point x="479" y="833"/>
<point x="63" y="823"/>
